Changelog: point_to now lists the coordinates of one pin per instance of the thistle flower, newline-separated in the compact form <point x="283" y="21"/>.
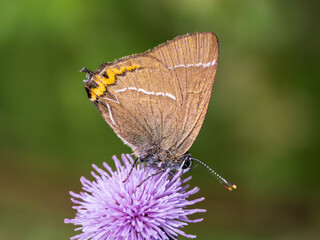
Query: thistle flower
<point x="112" y="209"/>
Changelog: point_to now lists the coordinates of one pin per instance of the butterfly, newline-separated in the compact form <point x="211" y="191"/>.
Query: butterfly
<point x="156" y="101"/>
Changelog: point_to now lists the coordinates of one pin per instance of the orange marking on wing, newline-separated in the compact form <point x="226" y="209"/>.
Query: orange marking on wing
<point x="100" y="89"/>
<point x="103" y="82"/>
<point x="93" y="97"/>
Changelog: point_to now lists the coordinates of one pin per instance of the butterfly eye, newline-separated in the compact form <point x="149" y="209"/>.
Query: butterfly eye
<point x="187" y="164"/>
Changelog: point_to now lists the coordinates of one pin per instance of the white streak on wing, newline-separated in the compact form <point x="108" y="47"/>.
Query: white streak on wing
<point x="111" y="100"/>
<point x="160" y="93"/>
<point x="170" y="96"/>
<point x="110" y="115"/>
<point x="132" y="88"/>
<point x="208" y="64"/>
<point x="121" y="90"/>
<point x="177" y="66"/>
<point x="147" y="92"/>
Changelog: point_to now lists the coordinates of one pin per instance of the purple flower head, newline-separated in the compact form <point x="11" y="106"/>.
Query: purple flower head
<point x="111" y="209"/>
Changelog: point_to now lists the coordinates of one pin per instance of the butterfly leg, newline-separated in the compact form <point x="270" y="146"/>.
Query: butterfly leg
<point x="132" y="166"/>
<point x="161" y="171"/>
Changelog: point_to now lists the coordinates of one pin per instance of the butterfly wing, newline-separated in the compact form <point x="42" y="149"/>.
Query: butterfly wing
<point x="192" y="62"/>
<point x="158" y="98"/>
<point x="138" y="106"/>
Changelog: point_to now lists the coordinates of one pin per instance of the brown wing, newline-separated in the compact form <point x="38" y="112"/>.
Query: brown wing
<point x="192" y="62"/>
<point x="158" y="98"/>
<point x="140" y="104"/>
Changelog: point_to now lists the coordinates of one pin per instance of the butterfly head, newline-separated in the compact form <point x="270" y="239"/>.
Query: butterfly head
<point x="186" y="164"/>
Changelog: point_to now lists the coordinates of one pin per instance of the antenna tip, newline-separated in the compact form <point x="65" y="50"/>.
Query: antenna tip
<point x="230" y="187"/>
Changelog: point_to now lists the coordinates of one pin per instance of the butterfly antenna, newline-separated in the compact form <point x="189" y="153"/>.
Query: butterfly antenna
<point x="86" y="70"/>
<point x="228" y="185"/>
<point x="132" y="167"/>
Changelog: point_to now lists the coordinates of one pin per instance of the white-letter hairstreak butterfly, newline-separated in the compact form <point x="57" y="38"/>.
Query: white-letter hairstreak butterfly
<point x="156" y="101"/>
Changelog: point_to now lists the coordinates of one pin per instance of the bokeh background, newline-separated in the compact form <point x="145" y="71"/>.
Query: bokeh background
<point x="261" y="130"/>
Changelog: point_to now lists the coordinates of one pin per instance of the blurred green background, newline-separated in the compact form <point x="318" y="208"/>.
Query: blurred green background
<point x="261" y="130"/>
